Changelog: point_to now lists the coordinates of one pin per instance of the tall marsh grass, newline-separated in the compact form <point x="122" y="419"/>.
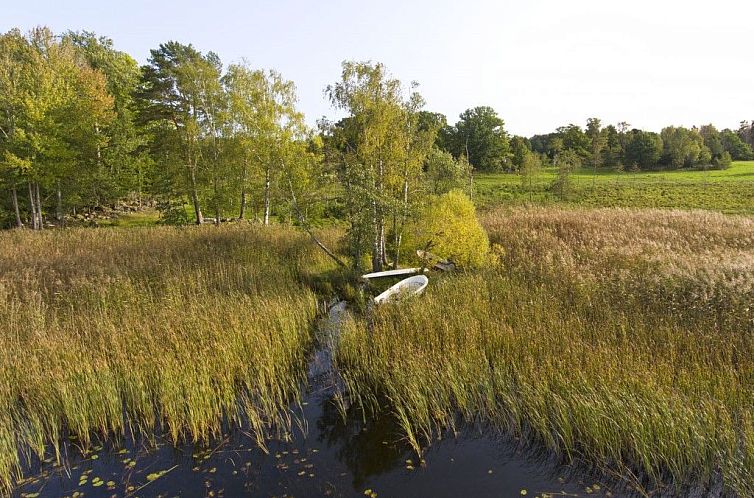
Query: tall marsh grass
<point x="622" y="338"/>
<point x="125" y="331"/>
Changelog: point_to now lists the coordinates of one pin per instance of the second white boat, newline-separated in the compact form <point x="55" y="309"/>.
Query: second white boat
<point x="412" y="286"/>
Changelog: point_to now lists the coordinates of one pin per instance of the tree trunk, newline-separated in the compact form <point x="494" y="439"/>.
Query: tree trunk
<point x="378" y="243"/>
<point x="16" y="211"/>
<point x="217" y="202"/>
<point x="33" y="206"/>
<point x="399" y="228"/>
<point x="195" y="199"/>
<point x="383" y="251"/>
<point x="376" y="257"/>
<point x="397" y="242"/>
<point x="242" y="209"/>
<point x="267" y="196"/>
<point x="59" y="209"/>
<point x="39" y="207"/>
<point x="99" y="150"/>
<point x="140" y="176"/>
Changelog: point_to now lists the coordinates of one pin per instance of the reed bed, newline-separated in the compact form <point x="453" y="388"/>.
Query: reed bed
<point x="118" y="332"/>
<point x="620" y="338"/>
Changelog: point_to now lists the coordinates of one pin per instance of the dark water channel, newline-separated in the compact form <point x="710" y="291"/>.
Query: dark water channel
<point x="327" y="456"/>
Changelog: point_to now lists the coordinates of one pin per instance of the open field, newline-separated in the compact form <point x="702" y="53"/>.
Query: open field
<point x="729" y="191"/>
<point x="117" y="331"/>
<point x="622" y="338"/>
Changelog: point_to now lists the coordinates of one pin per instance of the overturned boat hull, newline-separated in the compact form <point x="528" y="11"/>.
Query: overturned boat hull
<point x="392" y="273"/>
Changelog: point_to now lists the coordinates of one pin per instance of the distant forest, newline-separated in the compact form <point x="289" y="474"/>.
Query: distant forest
<point x="83" y="126"/>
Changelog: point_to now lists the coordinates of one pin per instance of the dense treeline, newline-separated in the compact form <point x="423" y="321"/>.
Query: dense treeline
<point x="480" y="137"/>
<point x="83" y="127"/>
<point x="67" y="132"/>
<point x="621" y="147"/>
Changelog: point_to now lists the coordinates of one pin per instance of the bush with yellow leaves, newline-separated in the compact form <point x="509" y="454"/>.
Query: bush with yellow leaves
<point x="447" y="226"/>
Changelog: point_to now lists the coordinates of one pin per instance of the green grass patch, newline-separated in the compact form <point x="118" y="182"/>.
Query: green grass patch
<point x="136" y="219"/>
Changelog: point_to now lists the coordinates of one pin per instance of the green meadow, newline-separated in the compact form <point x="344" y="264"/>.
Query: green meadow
<point x="729" y="191"/>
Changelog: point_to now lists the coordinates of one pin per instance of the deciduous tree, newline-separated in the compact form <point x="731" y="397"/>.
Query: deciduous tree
<point x="480" y="135"/>
<point x="379" y="150"/>
<point x="643" y="149"/>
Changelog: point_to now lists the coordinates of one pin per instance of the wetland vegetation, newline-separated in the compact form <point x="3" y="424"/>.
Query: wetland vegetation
<point x="622" y="338"/>
<point x="626" y="348"/>
<point x="580" y="321"/>
<point x="132" y="331"/>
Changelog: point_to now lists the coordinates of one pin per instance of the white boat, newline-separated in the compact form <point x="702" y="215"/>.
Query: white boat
<point x="393" y="273"/>
<point x="411" y="286"/>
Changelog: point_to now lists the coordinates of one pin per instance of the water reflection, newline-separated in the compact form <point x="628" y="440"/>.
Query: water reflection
<point x="366" y="448"/>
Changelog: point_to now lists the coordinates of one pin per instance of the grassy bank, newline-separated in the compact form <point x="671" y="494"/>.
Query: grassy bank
<point x="618" y="337"/>
<point x="114" y="331"/>
<point x="730" y="190"/>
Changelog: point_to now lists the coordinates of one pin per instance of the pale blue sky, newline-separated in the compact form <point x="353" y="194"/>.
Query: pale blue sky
<point x="540" y="64"/>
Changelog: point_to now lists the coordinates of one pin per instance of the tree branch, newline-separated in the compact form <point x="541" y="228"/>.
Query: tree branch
<point x="307" y="228"/>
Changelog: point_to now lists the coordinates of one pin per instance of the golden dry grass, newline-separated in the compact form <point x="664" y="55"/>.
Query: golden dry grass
<point x="118" y="331"/>
<point x="619" y="337"/>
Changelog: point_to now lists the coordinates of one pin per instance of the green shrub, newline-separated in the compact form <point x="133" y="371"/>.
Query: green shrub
<point x="723" y="161"/>
<point x="173" y="213"/>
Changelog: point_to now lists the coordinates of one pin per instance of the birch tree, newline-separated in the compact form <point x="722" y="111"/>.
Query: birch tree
<point x="51" y="100"/>
<point x="264" y="124"/>
<point x="379" y="149"/>
<point x="14" y="161"/>
<point x="122" y="162"/>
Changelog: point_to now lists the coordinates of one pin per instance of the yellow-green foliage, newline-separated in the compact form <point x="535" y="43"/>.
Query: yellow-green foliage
<point x="108" y="329"/>
<point x="448" y="225"/>
<point x="623" y="338"/>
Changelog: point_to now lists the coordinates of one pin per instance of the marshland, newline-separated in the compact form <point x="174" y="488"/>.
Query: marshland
<point x="623" y="347"/>
<point x="627" y="349"/>
<point x="189" y="266"/>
